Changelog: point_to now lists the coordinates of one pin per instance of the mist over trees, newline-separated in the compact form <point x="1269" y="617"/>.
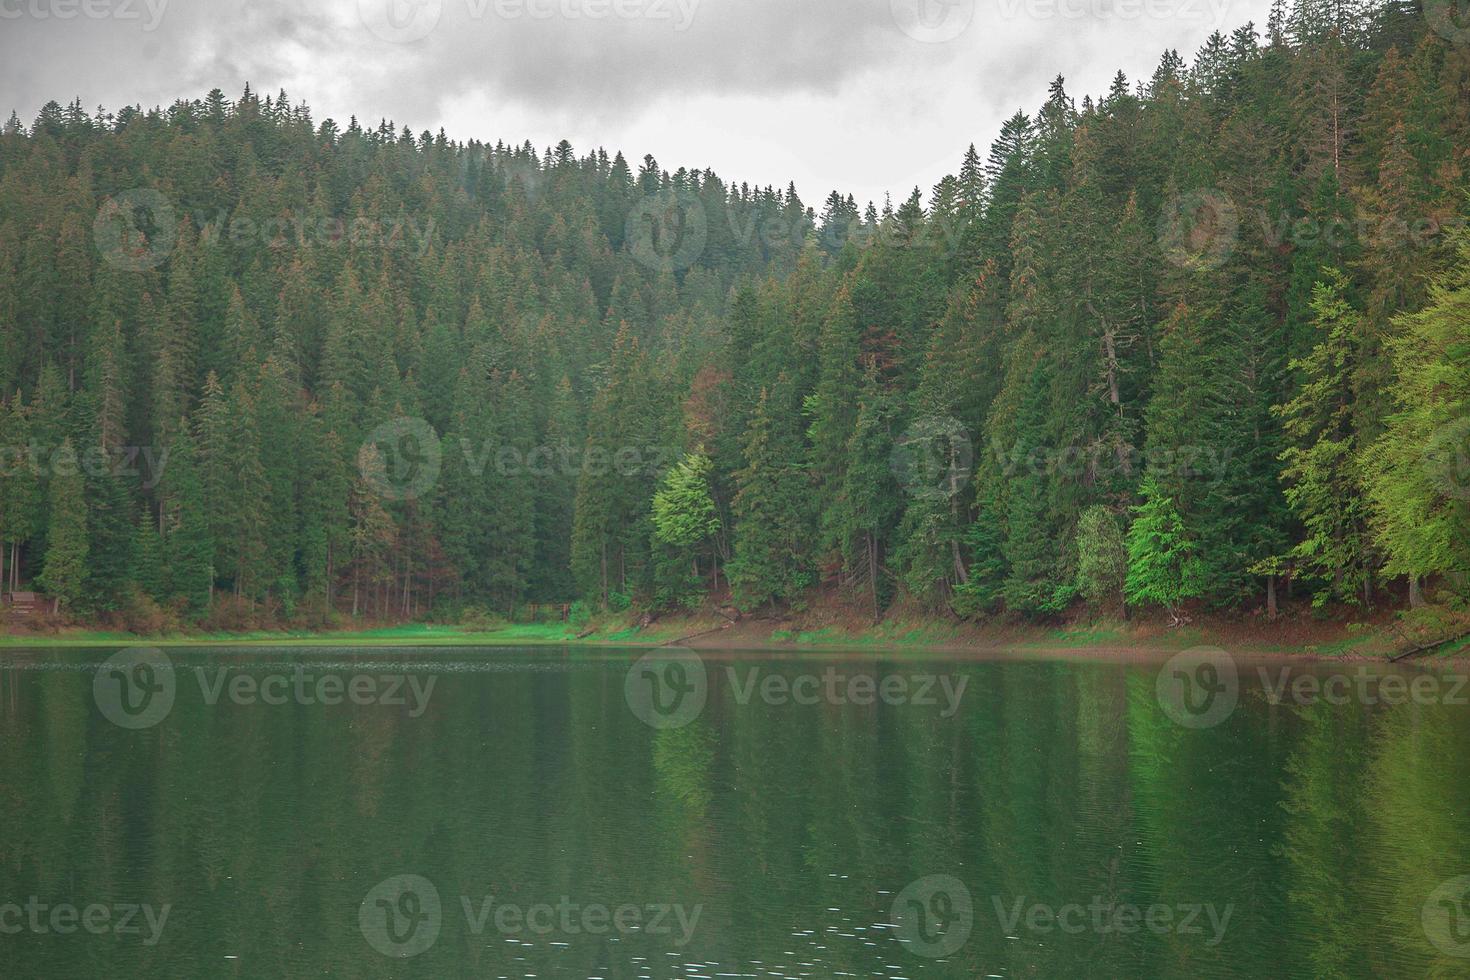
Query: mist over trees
<point x="1188" y="340"/>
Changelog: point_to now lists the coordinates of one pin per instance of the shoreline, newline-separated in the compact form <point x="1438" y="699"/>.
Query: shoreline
<point x="1288" y="641"/>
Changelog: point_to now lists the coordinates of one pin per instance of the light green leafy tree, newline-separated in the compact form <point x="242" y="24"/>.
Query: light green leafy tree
<point x="1164" y="567"/>
<point x="1102" y="558"/>
<point x="685" y="519"/>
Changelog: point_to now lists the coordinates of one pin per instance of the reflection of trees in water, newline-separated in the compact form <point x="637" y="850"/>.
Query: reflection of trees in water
<point x="1419" y="836"/>
<point x="790" y="825"/>
<point x="1323" y="840"/>
<point x="1207" y="819"/>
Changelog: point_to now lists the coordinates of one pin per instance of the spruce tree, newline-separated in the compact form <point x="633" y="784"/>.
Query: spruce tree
<point x="64" y="569"/>
<point x="1324" y="479"/>
<point x="1164" y="565"/>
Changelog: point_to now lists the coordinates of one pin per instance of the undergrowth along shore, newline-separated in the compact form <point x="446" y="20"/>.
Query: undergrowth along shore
<point x="1306" y="636"/>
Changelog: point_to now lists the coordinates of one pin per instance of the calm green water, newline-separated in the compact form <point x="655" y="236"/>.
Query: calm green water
<point x="520" y="818"/>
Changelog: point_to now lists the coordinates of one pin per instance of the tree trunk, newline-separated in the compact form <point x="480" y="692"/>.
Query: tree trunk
<point x="873" y="573"/>
<point x="1416" y="597"/>
<point x="1271" y="597"/>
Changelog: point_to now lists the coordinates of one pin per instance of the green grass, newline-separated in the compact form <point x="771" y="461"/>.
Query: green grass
<point x="410" y="635"/>
<point x="612" y="631"/>
<point x="1093" y="635"/>
<point x="894" y="634"/>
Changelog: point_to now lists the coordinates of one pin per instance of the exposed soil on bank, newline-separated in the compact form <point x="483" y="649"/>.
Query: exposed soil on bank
<point x="1349" y="634"/>
<point x="833" y="626"/>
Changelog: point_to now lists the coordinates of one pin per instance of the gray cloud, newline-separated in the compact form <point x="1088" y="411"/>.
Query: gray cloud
<point x="830" y="92"/>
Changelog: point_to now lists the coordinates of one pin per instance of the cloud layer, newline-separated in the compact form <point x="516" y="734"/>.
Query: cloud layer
<point x="860" y="95"/>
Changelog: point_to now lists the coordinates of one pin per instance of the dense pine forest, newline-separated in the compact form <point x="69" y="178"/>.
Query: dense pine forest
<point x="1201" y="341"/>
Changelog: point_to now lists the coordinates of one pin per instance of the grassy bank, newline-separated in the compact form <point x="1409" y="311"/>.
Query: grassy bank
<point x="829" y="630"/>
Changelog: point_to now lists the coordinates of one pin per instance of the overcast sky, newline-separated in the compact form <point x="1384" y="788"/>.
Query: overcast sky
<point x="865" y="96"/>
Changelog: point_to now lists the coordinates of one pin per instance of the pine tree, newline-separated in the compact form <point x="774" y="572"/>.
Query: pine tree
<point x="148" y="558"/>
<point x="64" y="570"/>
<point x="772" y="535"/>
<point x="868" y="504"/>
<point x="1418" y="471"/>
<point x="1324" y="480"/>
<point x="188" y="549"/>
<point x="1164" y="566"/>
<point x="23" y="513"/>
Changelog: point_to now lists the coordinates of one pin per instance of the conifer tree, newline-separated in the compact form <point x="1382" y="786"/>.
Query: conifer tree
<point x="1418" y="471"/>
<point x="770" y="563"/>
<point x="64" y="572"/>
<point x="1324" y="480"/>
<point x="1164" y="566"/>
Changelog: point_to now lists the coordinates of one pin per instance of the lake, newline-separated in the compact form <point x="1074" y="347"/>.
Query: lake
<point x="550" y="812"/>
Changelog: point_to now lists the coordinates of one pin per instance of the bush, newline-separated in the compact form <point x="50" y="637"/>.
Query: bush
<point x="479" y="618"/>
<point x="140" y="613"/>
<point x="1102" y="559"/>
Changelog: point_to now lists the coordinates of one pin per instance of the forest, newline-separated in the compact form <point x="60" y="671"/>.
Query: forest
<point x="1200" y="341"/>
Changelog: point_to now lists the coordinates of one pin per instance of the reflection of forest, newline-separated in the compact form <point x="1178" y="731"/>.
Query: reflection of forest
<point x="1323" y="829"/>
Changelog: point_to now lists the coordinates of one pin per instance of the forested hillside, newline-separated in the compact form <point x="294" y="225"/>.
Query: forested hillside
<point x="1180" y="342"/>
